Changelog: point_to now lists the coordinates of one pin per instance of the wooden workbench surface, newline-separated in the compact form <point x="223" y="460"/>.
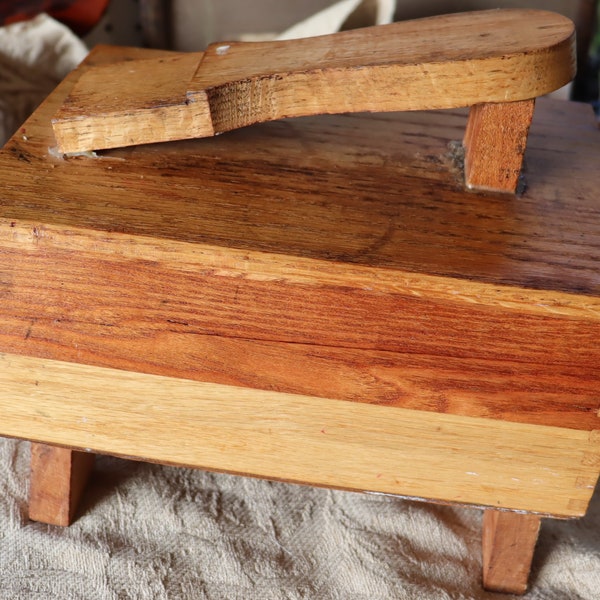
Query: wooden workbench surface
<point x="371" y="190"/>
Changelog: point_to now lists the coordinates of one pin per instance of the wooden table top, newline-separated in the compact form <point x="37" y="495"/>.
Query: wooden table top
<point x="372" y="190"/>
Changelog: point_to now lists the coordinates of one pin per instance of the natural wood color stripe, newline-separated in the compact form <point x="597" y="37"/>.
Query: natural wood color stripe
<point x="298" y="438"/>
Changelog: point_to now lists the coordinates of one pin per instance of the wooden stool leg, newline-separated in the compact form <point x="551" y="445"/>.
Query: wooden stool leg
<point x="508" y="543"/>
<point x="495" y="141"/>
<point x="58" y="477"/>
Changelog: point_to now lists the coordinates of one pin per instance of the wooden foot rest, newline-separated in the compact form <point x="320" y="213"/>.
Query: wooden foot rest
<point x="317" y="300"/>
<point x="495" y="61"/>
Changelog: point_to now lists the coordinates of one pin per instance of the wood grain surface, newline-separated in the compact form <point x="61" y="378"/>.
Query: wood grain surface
<point x="133" y="102"/>
<point x="494" y="144"/>
<point x="324" y="442"/>
<point x="508" y="544"/>
<point x="438" y="62"/>
<point x="319" y="290"/>
<point x="336" y="256"/>
<point x="353" y="344"/>
<point x="58" y="477"/>
<point x="444" y="61"/>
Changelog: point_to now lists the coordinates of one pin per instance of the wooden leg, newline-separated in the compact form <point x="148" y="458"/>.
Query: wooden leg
<point x="508" y="543"/>
<point x="495" y="141"/>
<point x="58" y="477"/>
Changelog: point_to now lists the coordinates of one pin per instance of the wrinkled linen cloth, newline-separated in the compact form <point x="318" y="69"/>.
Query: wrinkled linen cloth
<point x="149" y="532"/>
<point x="35" y="55"/>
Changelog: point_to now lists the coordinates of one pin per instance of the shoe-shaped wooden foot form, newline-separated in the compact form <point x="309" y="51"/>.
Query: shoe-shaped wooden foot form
<point x="496" y="62"/>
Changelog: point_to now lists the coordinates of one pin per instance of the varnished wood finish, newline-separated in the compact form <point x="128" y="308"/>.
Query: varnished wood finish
<point x="334" y="258"/>
<point x="439" y="62"/>
<point x="297" y="438"/>
<point x="299" y="337"/>
<point x="495" y="142"/>
<point x="249" y="259"/>
<point x="509" y="541"/>
<point x="58" y="478"/>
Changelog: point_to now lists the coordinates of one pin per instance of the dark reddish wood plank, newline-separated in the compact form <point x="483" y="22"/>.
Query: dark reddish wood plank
<point x="407" y="351"/>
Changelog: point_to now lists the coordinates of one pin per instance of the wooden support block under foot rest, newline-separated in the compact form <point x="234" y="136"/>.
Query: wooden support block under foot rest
<point x="494" y="142"/>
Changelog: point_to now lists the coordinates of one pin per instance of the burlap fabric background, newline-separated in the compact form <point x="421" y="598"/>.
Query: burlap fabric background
<point x="152" y="532"/>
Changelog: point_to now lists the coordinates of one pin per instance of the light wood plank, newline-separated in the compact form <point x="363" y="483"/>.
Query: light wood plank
<point x="108" y="261"/>
<point x="299" y="438"/>
<point x="58" y="478"/>
<point x="156" y="107"/>
<point x="509" y="541"/>
<point x="439" y="62"/>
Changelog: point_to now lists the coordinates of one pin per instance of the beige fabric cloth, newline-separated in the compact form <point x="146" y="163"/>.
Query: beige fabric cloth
<point x="154" y="532"/>
<point x="344" y="14"/>
<point x="34" y="56"/>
